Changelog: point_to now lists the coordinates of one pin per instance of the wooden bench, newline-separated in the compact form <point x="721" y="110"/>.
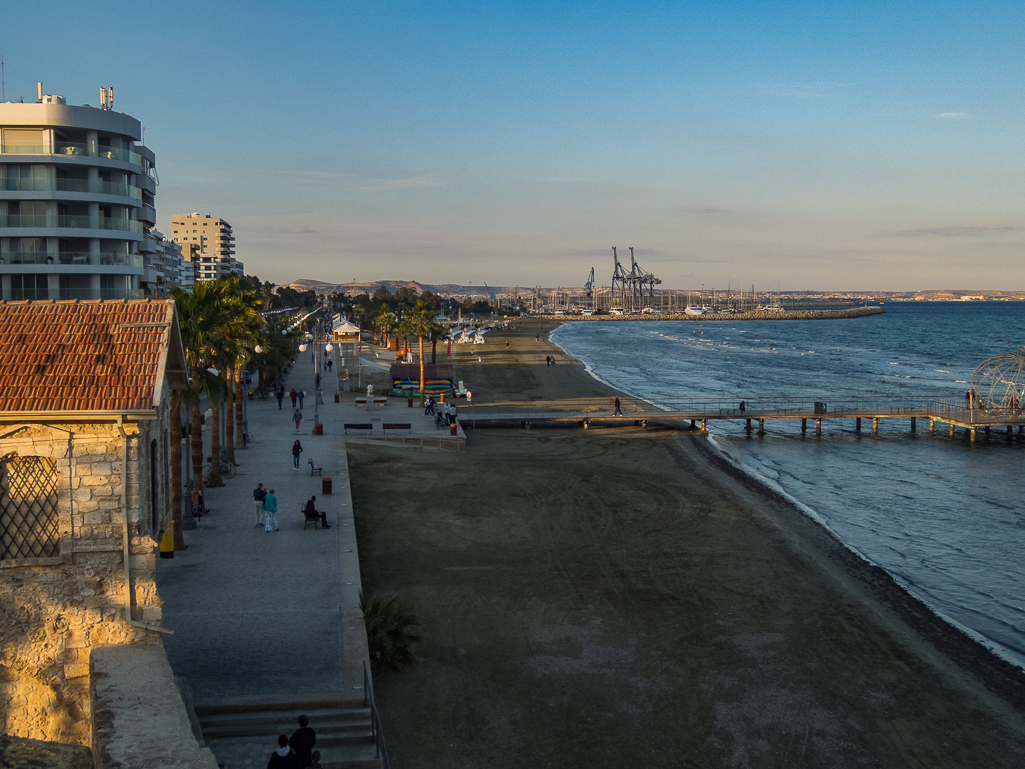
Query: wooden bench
<point x="380" y="401"/>
<point x="407" y="426"/>
<point x="356" y="426"/>
<point x="314" y="470"/>
<point x="361" y="401"/>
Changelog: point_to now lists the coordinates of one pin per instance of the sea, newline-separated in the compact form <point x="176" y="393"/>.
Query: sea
<point x="945" y="517"/>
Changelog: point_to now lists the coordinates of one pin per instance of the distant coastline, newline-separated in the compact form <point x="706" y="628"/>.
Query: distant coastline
<point x="852" y="312"/>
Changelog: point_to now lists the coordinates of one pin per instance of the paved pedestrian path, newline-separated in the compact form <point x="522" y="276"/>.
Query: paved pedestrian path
<point x="272" y="616"/>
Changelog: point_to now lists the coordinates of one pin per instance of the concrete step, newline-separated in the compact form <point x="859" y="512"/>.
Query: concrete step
<point x="248" y="755"/>
<point x="244" y="731"/>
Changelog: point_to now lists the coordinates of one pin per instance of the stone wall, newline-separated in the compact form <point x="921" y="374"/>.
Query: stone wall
<point x="54" y="609"/>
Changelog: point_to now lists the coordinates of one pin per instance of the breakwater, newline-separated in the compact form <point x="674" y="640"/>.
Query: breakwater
<point x="851" y="312"/>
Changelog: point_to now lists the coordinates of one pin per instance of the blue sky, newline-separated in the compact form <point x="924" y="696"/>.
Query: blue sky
<point x="815" y="145"/>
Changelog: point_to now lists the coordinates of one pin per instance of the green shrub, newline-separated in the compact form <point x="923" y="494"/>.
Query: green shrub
<point x="391" y="630"/>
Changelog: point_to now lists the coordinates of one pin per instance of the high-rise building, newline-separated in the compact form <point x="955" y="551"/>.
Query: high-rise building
<point x="208" y="243"/>
<point x="76" y="201"/>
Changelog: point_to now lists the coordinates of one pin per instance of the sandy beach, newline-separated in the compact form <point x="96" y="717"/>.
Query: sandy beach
<point x="621" y="597"/>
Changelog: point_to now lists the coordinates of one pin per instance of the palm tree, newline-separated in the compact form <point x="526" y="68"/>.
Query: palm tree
<point x="201" y="318"/>
<point x="244" y="330"/>
<point x="385" y="321"/>
<point x="419" y="322"/>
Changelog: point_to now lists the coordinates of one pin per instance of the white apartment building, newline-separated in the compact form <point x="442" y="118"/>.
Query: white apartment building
<point x="76" y="201"/>
<point x="208" y="243"/>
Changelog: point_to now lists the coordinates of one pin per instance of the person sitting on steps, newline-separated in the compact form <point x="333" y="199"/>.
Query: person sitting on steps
<point x="311" y="512"/>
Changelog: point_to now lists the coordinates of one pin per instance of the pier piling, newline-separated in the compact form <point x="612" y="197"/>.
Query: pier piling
<point x="932" y="426"/>
<point x="748" y="426"/>
<point x="804" y="425"/>
<point x="857" y="425"/>
<point x="912" y="424"/>
<point x="875" y="425"/>
<point x="761" y="427"/>
<point x="951" y="429"/>
<point x="818" y="427"/>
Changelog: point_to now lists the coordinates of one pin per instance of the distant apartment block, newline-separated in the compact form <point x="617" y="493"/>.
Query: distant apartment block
<point x="207" y="243"/>
<point x="76" y="202"/>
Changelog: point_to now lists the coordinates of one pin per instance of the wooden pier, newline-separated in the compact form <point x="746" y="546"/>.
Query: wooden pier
<point x="755" y="414"/>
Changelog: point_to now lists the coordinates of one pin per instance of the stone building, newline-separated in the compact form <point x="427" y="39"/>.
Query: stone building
<point x="85" y="396"/>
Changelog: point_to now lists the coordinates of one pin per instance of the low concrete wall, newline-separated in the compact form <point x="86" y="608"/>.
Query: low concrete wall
<point x="139" y="718"/>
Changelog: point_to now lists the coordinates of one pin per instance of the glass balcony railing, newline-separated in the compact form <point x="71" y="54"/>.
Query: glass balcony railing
<point x="73" y="148"/>
<point x="75" y="222"/>
<point x="26" y="257"/>
<point x="27" y="220"/>
<point x="125" y="260"/>
<point x="70" y="185"/>
<point x="108" y="259"/>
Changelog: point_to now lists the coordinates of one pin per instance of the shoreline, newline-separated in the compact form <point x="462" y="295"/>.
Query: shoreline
<point x="851" y="312"/>
<point x="565" y="578"/>
<point x="1002" y="675"/>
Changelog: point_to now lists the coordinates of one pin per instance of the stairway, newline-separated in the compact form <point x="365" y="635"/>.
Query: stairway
<point x="243" y="732"/>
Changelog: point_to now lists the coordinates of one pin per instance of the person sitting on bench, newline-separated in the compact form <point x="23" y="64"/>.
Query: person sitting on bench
<point x="311" y="512"/>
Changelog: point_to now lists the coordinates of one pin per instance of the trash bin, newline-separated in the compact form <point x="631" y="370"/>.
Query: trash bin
<point x="336" y="398"/>
<point x="325" y="485"/>
<point x="318" y="428"/>
<point x="452" y="429"/>
<point x="409" y="401"/>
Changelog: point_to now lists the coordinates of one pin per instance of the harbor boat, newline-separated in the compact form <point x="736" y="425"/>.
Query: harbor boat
<point x="690" y="309"/>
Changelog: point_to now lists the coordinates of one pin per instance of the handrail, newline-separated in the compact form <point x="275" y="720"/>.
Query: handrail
<point x="375" y="719"/>
<point x="637" y="408"/>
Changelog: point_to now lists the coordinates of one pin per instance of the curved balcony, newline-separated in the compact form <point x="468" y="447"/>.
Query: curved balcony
<point x="72" y="149"/>
<point x="71" y="222"/>
<point x="71" y="185"/>
<point x="106" y="259"/>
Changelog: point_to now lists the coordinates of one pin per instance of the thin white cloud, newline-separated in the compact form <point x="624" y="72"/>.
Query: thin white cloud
<point x="412" y="183"/>
<point x="951" y="116"/>
<point x="971" y="230"/>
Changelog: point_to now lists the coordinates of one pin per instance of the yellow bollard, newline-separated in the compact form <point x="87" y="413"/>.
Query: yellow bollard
<point x="167" y="542"/>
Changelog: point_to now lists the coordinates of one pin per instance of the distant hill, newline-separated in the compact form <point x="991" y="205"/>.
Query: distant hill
<point x="448" y="290"/>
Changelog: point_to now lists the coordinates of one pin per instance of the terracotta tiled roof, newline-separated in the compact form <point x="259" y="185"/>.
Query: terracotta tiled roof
<point x="84" y="356"/>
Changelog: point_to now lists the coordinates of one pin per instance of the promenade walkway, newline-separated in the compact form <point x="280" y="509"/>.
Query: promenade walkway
<point x="271" y="617"/>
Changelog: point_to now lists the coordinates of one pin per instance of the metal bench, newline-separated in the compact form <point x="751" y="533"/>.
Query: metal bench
<point x="315" y="470"/>
<point x="307" y="521"/>
<point x="407" y="426"/>
<point x="361" y="401"/>
<point x="380" y="401"/>
<point x="356" y="426"/>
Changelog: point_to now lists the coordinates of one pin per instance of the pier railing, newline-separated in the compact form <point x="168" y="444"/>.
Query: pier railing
<point x="959" y="411"/>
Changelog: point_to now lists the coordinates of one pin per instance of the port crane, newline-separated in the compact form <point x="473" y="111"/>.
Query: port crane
<point x="634" y="282"/>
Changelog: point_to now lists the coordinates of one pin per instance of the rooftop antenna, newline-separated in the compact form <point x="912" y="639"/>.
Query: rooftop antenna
<point x="3" y="81"/>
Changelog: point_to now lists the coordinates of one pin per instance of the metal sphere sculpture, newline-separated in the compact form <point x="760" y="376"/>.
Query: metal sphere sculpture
<point x="999" y="382"/>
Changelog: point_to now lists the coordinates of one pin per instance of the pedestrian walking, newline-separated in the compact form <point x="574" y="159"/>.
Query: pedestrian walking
<point x="330" y="363"/>
<point x="297" y="449"/>
<point x="297" y="417"/>
<point x="303" y="739"/>
<point x="259" y="494"/>
<point x="293" y="395"/>
<point x="302" y="394"/>
<point x="270" y="514"/>
<point x="281" y="396"/>
<point x="619" y="411"/>
<point x="285" y="757"/>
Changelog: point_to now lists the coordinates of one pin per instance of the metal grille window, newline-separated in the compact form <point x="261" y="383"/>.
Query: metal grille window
<point x="28" y="508"/>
